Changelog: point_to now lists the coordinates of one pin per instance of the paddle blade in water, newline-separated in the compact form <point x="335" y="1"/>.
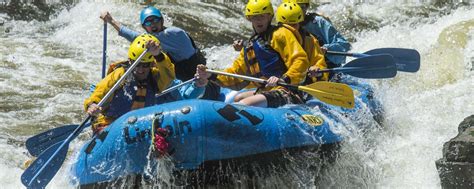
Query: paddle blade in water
<point x="40" y="142"/>
<point x="35" y="176"/>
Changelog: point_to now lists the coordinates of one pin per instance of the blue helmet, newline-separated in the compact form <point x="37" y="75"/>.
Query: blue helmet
<point x="149" y="11"/>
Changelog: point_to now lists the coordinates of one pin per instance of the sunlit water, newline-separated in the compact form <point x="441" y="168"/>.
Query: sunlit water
<point x="46" y="68"/>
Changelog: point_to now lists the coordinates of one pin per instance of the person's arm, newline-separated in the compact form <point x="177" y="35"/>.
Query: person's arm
<point x="128" y="33"/>
<point x="163" y="63"/>
<point x="316" y="60"/>
<point x="107" y="17"/>
<point x="165" y="69"/>
<point x="123" y="31"/>
<point x="102" y="88"/>
<point x="189" y="91"/>
<point x="238" y="67"/>
<point x="192" y="91"/>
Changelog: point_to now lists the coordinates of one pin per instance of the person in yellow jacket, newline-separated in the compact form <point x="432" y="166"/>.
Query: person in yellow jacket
<point x="290" y="15"/>
<point x="272" y="53"/>
<point x="154" y="74"/>
<point x="329" y="38"/>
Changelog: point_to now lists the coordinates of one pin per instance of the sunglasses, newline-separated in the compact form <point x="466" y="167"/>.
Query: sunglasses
<point x="149" y="22"/>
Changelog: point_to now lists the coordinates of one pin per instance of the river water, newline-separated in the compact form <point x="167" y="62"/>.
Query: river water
<point x="49" y="58"/>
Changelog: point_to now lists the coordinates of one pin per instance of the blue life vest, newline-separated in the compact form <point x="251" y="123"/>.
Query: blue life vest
<point x="124" y="97"/>
<point x="269" y="61"/>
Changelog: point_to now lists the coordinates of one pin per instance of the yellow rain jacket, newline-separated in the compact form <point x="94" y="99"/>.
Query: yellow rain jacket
<point x="162" y="72"/>
<point x="313" y="50"/>
<point x="290" y="53"/>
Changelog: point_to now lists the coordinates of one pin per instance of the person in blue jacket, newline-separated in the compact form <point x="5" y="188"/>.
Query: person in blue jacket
<point x="175" y="42"/>
<point x="329" y="38"/>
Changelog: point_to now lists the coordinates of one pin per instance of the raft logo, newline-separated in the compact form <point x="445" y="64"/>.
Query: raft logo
<point x="231" y="113"/>
<point x="313" y="120"/>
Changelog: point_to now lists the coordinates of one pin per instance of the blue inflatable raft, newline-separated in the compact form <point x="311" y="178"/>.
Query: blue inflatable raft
<point x="203" y="131"/>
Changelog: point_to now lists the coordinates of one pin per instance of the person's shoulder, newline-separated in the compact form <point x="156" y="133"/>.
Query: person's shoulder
<point x="113" y="76"/>
<point x="174" y="30"/>
<point x="320" y="17"/>
<point x="174" y="33"/>
<point x="288" y="27"/>
<point x="117" y="72"/>
<point x="282" y="32"/>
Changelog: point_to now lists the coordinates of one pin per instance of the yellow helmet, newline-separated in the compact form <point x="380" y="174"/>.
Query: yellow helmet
<point x="296" y="1"/>
<point x="139" y="45"/>
<point x="289" y="13"/>
<point x="257" y="7"/>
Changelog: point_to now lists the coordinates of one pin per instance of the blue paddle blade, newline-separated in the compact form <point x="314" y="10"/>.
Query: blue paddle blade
<point x="40" y="142"/>
<point x="371" y="67"/>
<point x="407" y="60"/>
<point x="43" y="178"/>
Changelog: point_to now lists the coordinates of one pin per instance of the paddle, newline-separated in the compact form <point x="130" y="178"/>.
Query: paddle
<point x="175" y="87"/>
<point x="43" y="169"/>
<point x="407" y="60"/>
<point x="104" y="50"/>
<point x="332" y="93"/>
<point x="40" y="142"/>
<point x="370" y="67"/>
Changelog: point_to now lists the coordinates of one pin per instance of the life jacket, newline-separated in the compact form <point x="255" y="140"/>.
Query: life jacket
<point x="133" y="94"/>
<point x="258" y="51"/>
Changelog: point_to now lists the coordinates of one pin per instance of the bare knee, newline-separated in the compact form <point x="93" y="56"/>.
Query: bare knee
<point x="254" y="100"/>
<point x="243" y="95"/>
